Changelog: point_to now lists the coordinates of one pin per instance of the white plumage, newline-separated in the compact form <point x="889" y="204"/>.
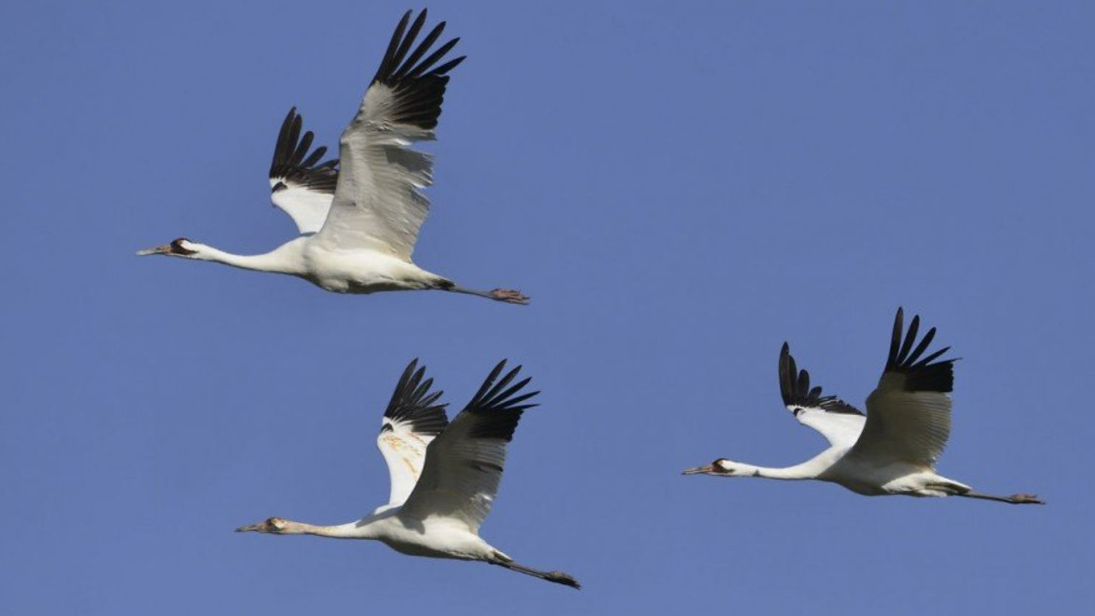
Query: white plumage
<point x="444" y="476"/>
<point x="891" y="450"/>
<point x="359" y="216"/>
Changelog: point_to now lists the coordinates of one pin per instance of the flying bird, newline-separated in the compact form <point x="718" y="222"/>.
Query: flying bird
<point x="359" y="215"/>
<point x="890" y="450"/>
<point x="444" y="476"/>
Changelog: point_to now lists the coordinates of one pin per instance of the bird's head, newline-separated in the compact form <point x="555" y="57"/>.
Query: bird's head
<point x="273" y="526"/>
<point x="181" y="247"/>
<point x="719" y="468"/>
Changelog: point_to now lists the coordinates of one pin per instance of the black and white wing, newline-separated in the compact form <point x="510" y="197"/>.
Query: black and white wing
<point x="378" y="203"/>
<point x="839" y="422"/>
<point x="909" y="413"/>
<point x="464" y="464"/>
<point x="414" y="417"/>
<point x="301" y="185"/>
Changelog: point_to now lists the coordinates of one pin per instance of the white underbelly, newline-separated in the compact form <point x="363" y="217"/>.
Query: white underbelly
<point x="365" y="272"/>
<point x="871" y="480"/>
<point x="435" y="538"/>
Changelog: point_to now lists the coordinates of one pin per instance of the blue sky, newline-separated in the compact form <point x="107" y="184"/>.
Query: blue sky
<point x="679" y="188"/>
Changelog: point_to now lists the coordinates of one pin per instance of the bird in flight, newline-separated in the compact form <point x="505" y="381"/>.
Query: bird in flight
<point x="444" y="476"/>
<point x="891" y="450"/>
<point x="359" y="215"/>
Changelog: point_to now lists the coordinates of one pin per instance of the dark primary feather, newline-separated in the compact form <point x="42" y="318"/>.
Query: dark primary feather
<point x="413" y="403"/>
<point x="418" y="86"/>
<point x="921" y="374"/>
<point x="293" y="164"/>
<point x="497" y="406"/>
<point x="794" y="387"/>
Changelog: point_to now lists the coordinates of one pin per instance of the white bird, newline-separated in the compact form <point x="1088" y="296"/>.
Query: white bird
<point x="444" y="476"/>
<point x="891" y="450"/>
<point x="359" y="216"/>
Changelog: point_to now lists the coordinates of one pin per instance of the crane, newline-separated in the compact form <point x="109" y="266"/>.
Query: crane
<point x="444" y="476"/>
<point x="359" y="215"/>
<point x="890" y="450"/>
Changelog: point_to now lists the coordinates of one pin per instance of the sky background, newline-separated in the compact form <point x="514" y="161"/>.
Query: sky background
<point x="679" y="186"/>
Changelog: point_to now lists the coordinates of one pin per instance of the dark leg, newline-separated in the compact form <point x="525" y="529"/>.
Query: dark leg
<point x="1014" y="499"/>
<point x="501" y="295"/>
<point x="552" y="576"/>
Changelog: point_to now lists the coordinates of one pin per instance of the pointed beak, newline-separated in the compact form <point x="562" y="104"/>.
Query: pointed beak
<point x="699" y="470"/>
<point x="158" y="250"/>
<point x="249" y="528"/>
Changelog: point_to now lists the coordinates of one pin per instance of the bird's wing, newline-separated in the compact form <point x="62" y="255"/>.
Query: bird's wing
<point x="464" y="464"/>
<point x="839" y="422"/>
<point x="909" y="413"/>
<point x="379" y="204"/>
<point x="299" y="184"/>
<point x="413" y="419"/>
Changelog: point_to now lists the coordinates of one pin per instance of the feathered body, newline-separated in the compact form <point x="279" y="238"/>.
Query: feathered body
<point x="359" y="215"/>
<point x="444" y="476"/>
<point x="893" y="448"/>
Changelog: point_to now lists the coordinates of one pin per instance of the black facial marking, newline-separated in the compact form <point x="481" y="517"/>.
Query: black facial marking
<point x="279" y="186"/>
<point x="177" y="247"/>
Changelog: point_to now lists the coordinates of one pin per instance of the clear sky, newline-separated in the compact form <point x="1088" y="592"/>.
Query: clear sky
<point x="679" y="186"/>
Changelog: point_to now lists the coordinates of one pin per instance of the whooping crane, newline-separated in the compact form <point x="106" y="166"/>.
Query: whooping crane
<point x="359" y="216"/>
<point x="893" y="449"/>
<point x="444" y="476"/>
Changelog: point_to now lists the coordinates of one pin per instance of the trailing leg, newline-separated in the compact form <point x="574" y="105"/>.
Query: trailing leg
<point x="1014" y="499"/>
<point x="509" y="296"/>
<point x="552" y="576"/>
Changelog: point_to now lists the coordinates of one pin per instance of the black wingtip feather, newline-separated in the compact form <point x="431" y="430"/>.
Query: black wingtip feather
<point x="794" y="388"/>
<point x="293" y="164"/>
<point x="412" y="402"/>
<point x="423" y="47"/>
<point x="498" y="407"/>
<point x="418" y="90"/>
<point x="921" y="374"/>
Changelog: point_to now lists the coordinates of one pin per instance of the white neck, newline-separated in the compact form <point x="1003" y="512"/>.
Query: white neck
<point x="807" y="470"/>
<point x="362" y="529"/>
<point x="285" y="259"/>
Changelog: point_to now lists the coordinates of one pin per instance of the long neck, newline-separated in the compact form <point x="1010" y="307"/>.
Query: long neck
<point x="284" y="259"/>
<point x="363" y="529"/>
<point x="807" y="470"/>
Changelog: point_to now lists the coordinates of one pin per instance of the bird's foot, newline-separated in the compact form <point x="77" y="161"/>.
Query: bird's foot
<point x="562" y="578"/>
<point x="1026" y="499"/>
<point x="509" y="296"/>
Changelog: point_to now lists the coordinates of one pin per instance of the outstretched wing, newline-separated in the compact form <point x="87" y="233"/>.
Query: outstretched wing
<point x="909" y="413"/>
<point x="413" y="419"/>
<point x="839" y="422"/>
<point x="464" y="464"/>
<point x="298" y="185"/>
<point x="378" y="203"/>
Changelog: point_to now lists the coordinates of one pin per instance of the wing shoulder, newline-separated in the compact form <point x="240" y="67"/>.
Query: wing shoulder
<point x="909" y="413"/>
<point x="839" y="422"/>
<point x="464" y="464"/>
<point x="300" y="184"/>
<point x="413" y="419"/>
<point x="379" y="203"/>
